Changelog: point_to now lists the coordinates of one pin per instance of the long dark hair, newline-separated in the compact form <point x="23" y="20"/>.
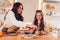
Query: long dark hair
<point x="42" y="20"/>
<point x="18" y="16"/>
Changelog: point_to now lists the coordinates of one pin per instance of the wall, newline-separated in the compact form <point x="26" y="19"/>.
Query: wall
<point x="53" y="20"/>
<point x="29" y="10"/>
<point x="55" y="17"/>
<point x="30" y="6"/>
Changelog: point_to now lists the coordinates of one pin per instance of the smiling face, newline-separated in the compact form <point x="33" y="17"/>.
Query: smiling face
<point x="19" y="10"/>
<point x="39" y="15"/>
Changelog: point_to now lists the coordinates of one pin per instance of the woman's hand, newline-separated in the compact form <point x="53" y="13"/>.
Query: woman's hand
<point x="31" y="27"/>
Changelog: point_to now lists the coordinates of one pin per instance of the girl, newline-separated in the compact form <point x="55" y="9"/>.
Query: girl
<point x="40" y="23"/>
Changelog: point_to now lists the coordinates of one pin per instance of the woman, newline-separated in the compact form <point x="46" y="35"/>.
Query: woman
<point x="40" y="23"/>
<point x="14" y="17"/>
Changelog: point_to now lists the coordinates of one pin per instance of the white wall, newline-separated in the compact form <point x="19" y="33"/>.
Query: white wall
<point x="2" y="16"/>
<point x="30" y="6"/>
<point x="53" y="20"/>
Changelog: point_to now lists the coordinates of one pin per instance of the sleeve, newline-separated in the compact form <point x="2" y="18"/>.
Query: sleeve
<point x="15" y="22"/>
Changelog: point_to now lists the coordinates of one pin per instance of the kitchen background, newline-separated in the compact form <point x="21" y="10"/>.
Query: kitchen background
<point x="51" y="10"/>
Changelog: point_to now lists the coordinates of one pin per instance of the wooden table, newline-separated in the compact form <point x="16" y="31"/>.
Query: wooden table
<point x="18" y="37"/>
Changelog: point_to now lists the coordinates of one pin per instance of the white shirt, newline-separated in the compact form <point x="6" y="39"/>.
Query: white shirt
<point x="11" y="20"/>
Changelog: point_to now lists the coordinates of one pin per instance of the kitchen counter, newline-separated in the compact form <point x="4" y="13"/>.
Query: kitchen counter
<point x="18" y="37"/>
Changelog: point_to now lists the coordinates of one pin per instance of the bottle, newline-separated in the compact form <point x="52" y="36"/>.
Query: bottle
<point x="54" y="33"/>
